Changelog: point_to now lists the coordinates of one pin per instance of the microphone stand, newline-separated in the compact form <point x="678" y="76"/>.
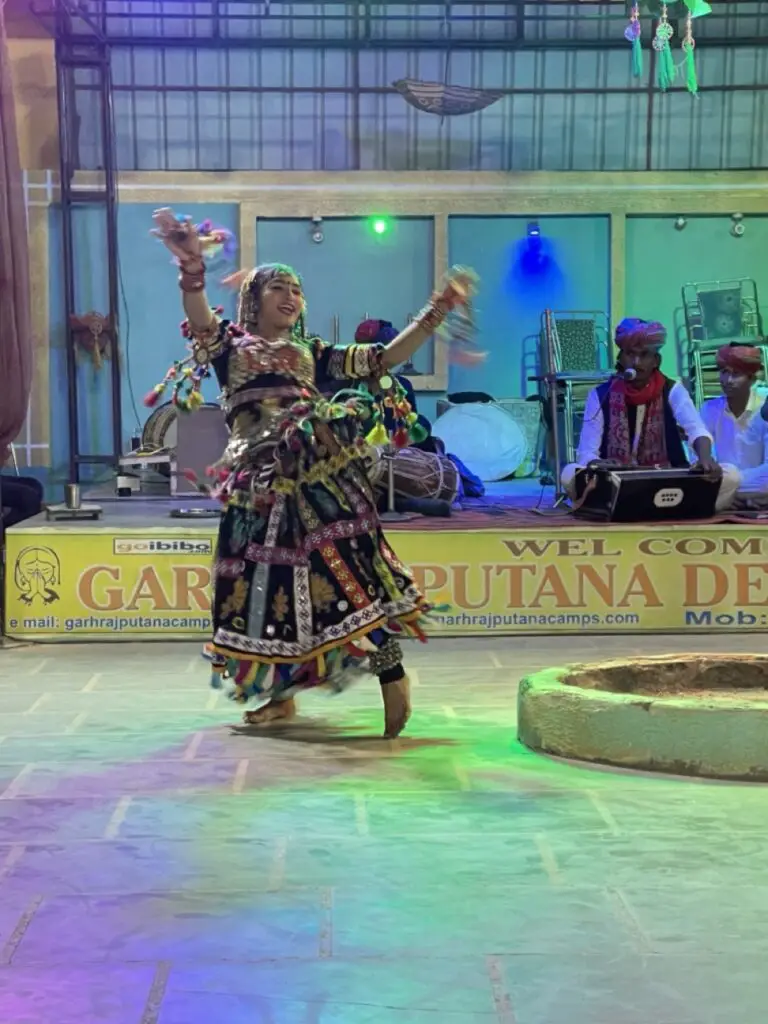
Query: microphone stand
<point x="391" y="515"/>
<point x="551" y="380"/>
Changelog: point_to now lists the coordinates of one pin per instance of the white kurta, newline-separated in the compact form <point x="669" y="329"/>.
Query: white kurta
<point x="683" y="409"/>
<point x="688" y="419"/>
<point x="725" y="428"/>
<point x="752" y="456"/>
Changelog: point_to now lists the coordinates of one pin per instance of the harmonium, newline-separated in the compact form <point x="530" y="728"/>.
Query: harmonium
<point x="642" y="494"/>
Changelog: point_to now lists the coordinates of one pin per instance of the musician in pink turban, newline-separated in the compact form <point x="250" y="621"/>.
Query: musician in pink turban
<point x="727" y="416"/>
<point x="640" y="416"/>
<point x="730" y="418"/>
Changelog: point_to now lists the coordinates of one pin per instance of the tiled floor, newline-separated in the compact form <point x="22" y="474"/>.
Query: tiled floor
<point x="158" y="865"/>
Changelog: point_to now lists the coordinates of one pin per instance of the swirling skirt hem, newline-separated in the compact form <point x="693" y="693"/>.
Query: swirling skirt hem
<point x="333" y="666"/>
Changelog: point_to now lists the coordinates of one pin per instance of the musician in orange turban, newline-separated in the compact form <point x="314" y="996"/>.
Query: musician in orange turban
<point x="729" y="416"/>
<point x="640" y="416"/>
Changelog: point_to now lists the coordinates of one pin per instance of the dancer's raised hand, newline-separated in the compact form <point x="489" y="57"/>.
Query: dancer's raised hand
<point x="459" y="287"/>
<point x="178" y="236"/>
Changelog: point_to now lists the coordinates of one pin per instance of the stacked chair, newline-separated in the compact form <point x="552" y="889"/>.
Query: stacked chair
<point x="577" y="352"/>
<point x="716" y="313"/>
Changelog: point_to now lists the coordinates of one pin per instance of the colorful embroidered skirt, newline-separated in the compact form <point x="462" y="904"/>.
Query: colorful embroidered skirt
<point x="305" y="584"/>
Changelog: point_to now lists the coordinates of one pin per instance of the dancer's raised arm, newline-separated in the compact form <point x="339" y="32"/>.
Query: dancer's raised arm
<point x="457" y="291"/>
<point x="182" y="241"/>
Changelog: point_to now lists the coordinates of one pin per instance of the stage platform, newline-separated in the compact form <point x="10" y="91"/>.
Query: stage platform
<point x="506" y="565"/>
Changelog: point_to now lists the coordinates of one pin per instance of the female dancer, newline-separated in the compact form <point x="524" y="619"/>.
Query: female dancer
<point x="306" y="589"/>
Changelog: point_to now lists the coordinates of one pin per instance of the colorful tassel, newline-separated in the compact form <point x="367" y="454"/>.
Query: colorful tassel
<point x="244" y="670"/>
<point x="187" y="382"/>
<point x="637" y="58"/>
<point x="689" y="46"/>
<point x="632" y="34"/>
<point x="153" y="397"/>
<point x="665" y="65"/>
<point x="417" y="433"/>
<point x="378" y="436"/>
<point x="418" y="632"/>
<point x="666" y="69"/>
<point x="215" y="241"/>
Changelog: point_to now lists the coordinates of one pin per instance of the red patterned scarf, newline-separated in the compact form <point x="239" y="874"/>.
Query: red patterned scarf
<point x="652" y="445"/>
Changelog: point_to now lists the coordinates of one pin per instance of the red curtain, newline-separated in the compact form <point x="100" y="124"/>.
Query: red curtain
<point x="16" y="332"/>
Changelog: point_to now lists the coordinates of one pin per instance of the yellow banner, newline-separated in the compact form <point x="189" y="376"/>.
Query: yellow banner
<point x="156" y="583"/>
<point x="153" y="583"/>
<point x="592" y="581"/>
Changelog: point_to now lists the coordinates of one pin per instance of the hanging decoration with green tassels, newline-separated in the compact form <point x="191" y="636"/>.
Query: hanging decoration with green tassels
<point x="665" y="63"/>
<point x="689" y="45"/>
<point x="677" y="8"/>
<point x="632" y="34"/>
<point x="666" y="69"/>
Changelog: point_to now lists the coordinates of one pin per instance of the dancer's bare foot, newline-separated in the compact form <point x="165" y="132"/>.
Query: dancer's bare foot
<point x="272" y="712"/>
<point x="397" y="706"/>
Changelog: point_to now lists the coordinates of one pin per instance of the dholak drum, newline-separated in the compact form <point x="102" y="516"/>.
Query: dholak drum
<point x="161" y="430"/>
<point x="159" y="433"/>
<point x="417" y="474"/>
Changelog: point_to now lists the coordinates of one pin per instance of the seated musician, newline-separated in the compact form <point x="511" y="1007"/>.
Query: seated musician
<point x="21" y="497"/>
<point x="729" y="418"/>
<point x="639" y="422"/>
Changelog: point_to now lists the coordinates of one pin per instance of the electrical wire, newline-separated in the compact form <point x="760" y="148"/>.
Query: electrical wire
<point x="112" y="142"/>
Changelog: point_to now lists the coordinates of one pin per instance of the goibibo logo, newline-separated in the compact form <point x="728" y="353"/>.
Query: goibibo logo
<point x="147" y="546"/>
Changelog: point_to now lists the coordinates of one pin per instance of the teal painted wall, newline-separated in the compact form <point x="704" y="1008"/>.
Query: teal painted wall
<point x="513" y="294"/>
<point x="150" y="314"/>
<point x="660" y="260"/>
<point x="354" y="273"/>
<point x="151" y="301"/>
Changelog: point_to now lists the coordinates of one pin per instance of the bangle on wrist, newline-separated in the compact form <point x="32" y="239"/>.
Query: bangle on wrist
<point x="192" y="265"/>
<point x="430" y="318"/>
<point x="191" y="283"/>
<point x="192" y="275"/>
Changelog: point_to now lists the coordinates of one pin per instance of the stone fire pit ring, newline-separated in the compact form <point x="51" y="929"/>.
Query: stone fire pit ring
<point x="685" y="714"/>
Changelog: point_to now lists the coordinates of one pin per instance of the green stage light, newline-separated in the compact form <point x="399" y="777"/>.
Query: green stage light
<point x="380" y="225"/>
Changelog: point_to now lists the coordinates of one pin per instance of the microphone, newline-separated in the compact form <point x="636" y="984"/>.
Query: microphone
<point x="628" y="374"/>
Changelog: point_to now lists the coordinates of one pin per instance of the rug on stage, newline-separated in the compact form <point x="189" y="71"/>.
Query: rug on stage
<point x="511" y="513"/>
